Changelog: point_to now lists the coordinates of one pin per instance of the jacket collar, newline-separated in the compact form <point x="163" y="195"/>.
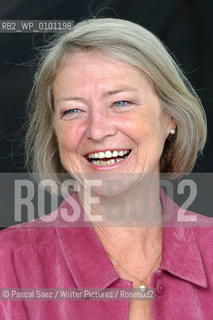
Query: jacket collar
<point x="90" y="265"/>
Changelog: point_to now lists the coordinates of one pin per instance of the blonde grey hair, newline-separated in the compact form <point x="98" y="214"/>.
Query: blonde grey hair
<point x="137" y="46"/>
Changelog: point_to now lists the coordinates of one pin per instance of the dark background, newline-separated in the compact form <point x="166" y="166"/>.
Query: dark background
<point x="185" y="26"/>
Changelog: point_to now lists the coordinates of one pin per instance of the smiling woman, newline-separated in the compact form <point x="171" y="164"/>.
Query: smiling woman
<point x="145" y="54"/>
<point x="111" y="108"/>
<point x="100" y="85"/>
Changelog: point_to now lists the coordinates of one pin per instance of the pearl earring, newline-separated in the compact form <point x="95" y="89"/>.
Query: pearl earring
<point x="172" y="131"/>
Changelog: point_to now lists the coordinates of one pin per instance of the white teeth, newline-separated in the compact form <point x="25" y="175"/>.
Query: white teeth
<point x="115" y="154"/>
<point x="101" y="155"/>
<point x="118" y="160"/>
<point x="108" y="154"/>
<point x="121" y="153"/>
<point x="104" y="163"/>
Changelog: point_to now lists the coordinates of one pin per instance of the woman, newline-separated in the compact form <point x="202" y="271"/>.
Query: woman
<point x="112" y="109"/>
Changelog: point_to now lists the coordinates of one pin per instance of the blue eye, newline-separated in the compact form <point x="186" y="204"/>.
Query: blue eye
<point x="72" y="111"/>
<point x="121" y="103"/>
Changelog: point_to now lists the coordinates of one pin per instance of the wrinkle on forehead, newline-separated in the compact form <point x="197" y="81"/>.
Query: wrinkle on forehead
<point x="95" y="74"/>
<point x="99" y="54"/>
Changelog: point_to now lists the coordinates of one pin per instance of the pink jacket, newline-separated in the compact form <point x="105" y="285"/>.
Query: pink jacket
<point x="58" y="254"/>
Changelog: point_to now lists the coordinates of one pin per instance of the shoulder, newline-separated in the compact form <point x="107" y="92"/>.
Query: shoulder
<point x="201" y="224"/>
<point x="190" y="226"/>
<point x="35" y="232"/>
<point x="26" y="247"/>
<point x="203" y="230"/>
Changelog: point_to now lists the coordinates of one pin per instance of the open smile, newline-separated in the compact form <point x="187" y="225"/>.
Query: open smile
<point x="108" y="157"/>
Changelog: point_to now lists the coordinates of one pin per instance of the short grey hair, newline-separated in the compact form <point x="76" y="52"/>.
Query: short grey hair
<point x="137" y="46"/>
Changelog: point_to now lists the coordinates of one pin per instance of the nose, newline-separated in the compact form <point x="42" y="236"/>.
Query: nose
<point x="100" y="125"/>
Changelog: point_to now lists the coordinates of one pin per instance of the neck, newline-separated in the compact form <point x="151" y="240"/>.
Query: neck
<point x="130" y="221"/>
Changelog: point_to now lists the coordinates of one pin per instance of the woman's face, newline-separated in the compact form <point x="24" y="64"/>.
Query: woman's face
<point x="108" y="117"/>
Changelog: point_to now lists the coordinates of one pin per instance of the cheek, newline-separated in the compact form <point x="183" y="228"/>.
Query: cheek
<point x="156" y="138"/>
<point x="156" y="142"/>
<point x="151" y="129"/>
<point x="67" y="139"/>
<point x="67" y="150"/>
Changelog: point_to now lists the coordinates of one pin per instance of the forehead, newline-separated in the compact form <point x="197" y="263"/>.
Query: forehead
<point x="93" y="68"/>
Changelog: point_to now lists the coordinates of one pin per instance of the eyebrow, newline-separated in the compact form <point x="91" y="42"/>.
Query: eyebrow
<point x="111" y="92"/>
<point x="106" y="94"/>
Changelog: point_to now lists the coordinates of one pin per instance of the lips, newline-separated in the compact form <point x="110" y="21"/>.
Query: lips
<point x="108" y="157"/>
